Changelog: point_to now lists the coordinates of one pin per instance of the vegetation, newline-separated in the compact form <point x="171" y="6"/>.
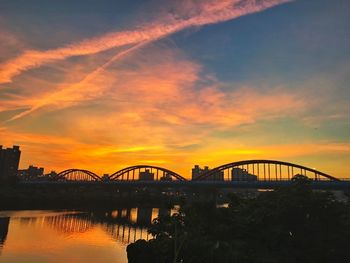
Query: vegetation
<point x="290" y="224"/>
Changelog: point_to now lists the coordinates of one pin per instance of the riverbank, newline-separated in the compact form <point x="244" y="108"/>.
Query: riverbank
<point x="40" y="197"/>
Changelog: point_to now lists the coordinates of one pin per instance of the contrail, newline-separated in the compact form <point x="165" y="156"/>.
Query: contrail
<point x="214" y="12"/>
<point x="64" y="93"/>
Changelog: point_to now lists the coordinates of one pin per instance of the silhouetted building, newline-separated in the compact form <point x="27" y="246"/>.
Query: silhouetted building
<point x="146" y="175"/>
<point x="105" y="177"/>
<point x="32" y="173"/>
<point x="166" y="177"/>
<point x="197" y="172"/>
<point x="9" y="161"/>
<point x="50" y="175"/>
<point x="239" y="174"/>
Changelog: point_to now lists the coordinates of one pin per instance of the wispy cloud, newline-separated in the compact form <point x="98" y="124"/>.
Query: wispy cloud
<point x="208" y="12"/>
<point x="142" y="115"/>
<point x="74" y="93"/>
<point x="177" y="110"/>
<point x="145" y="101"/>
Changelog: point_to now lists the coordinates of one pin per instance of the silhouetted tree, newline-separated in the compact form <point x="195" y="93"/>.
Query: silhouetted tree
<point x="290" y="224"/>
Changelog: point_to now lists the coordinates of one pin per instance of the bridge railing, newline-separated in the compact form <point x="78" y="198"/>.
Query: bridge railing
<point x="249" y="170"/>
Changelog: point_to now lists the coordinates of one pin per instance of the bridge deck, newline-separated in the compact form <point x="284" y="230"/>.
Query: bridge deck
<point x="344" y="184"/>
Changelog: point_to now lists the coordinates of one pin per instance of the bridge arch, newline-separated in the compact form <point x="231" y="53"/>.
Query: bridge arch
<point x="76" y="175"/>
<point x="263" y="170"/>
<point x="145" y="172"/>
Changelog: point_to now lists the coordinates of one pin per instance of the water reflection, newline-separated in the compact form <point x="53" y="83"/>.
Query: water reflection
<point x="4" y="226"/>
<point x="51" y="236"/>
<point x="123" y="225"/>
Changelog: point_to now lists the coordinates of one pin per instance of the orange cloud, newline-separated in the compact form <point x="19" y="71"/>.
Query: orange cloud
<point x="156" y="106"/>
<point x="209" y="12"/>
<point x="141" y="97"/>
<point x="284" y="151"/>
<point x="144" y="117"/>
<point x="68" y="95"/>
<point x="60" y="152"/>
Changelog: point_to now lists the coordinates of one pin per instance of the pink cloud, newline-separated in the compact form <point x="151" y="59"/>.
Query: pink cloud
<point x="151" y="107"/>
<point x="164" y="85"/>
<point x="145" y="106"/>
<point x="209" y="12"/>
<point x="71" y="94"/>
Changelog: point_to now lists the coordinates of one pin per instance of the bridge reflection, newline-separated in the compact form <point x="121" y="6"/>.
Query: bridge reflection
<point x="4" y="226"/>
<point x="123" y="225"/>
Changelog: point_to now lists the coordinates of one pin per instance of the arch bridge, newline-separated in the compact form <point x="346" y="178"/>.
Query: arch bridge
<point x="145" y="173"/>
<point x="76" y="175"/>
<point x="261" y="170"/>
<point x="249" y="170"/>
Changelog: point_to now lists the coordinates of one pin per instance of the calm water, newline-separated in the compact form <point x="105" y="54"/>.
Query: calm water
<point x="72" y="236"/>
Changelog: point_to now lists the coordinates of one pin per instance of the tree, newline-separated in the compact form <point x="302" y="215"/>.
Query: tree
<point x="290" y="224"/>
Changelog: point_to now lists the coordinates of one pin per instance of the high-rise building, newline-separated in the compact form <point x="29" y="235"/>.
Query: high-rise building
<point x="146" y="176"/>
<point x="198" y="171"/>
<point x="32" y="173"/>
<point x="239" y="174"/>
<point x="9" y="161"/>
<point x="166" y="177"/>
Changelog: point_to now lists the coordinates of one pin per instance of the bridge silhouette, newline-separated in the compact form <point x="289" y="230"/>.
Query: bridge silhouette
<point x="118" y="224"/>
<point x="256" y="174"/>
<point x="248" y="170"/>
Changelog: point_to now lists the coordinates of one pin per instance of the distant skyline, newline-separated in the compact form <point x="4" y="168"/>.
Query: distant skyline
<point x="102" y="84"/>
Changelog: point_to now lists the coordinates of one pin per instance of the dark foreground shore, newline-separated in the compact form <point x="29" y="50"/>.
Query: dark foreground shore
<point x="292" y="224"/>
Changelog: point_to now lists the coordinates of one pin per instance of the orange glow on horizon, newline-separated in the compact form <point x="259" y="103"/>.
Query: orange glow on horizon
<point x="134" y="96"/>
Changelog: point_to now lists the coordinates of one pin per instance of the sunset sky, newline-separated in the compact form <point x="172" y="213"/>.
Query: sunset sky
<point x="105" y="84"/>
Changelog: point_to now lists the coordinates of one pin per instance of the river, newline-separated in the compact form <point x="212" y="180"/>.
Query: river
<point x="72" y="236"/>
